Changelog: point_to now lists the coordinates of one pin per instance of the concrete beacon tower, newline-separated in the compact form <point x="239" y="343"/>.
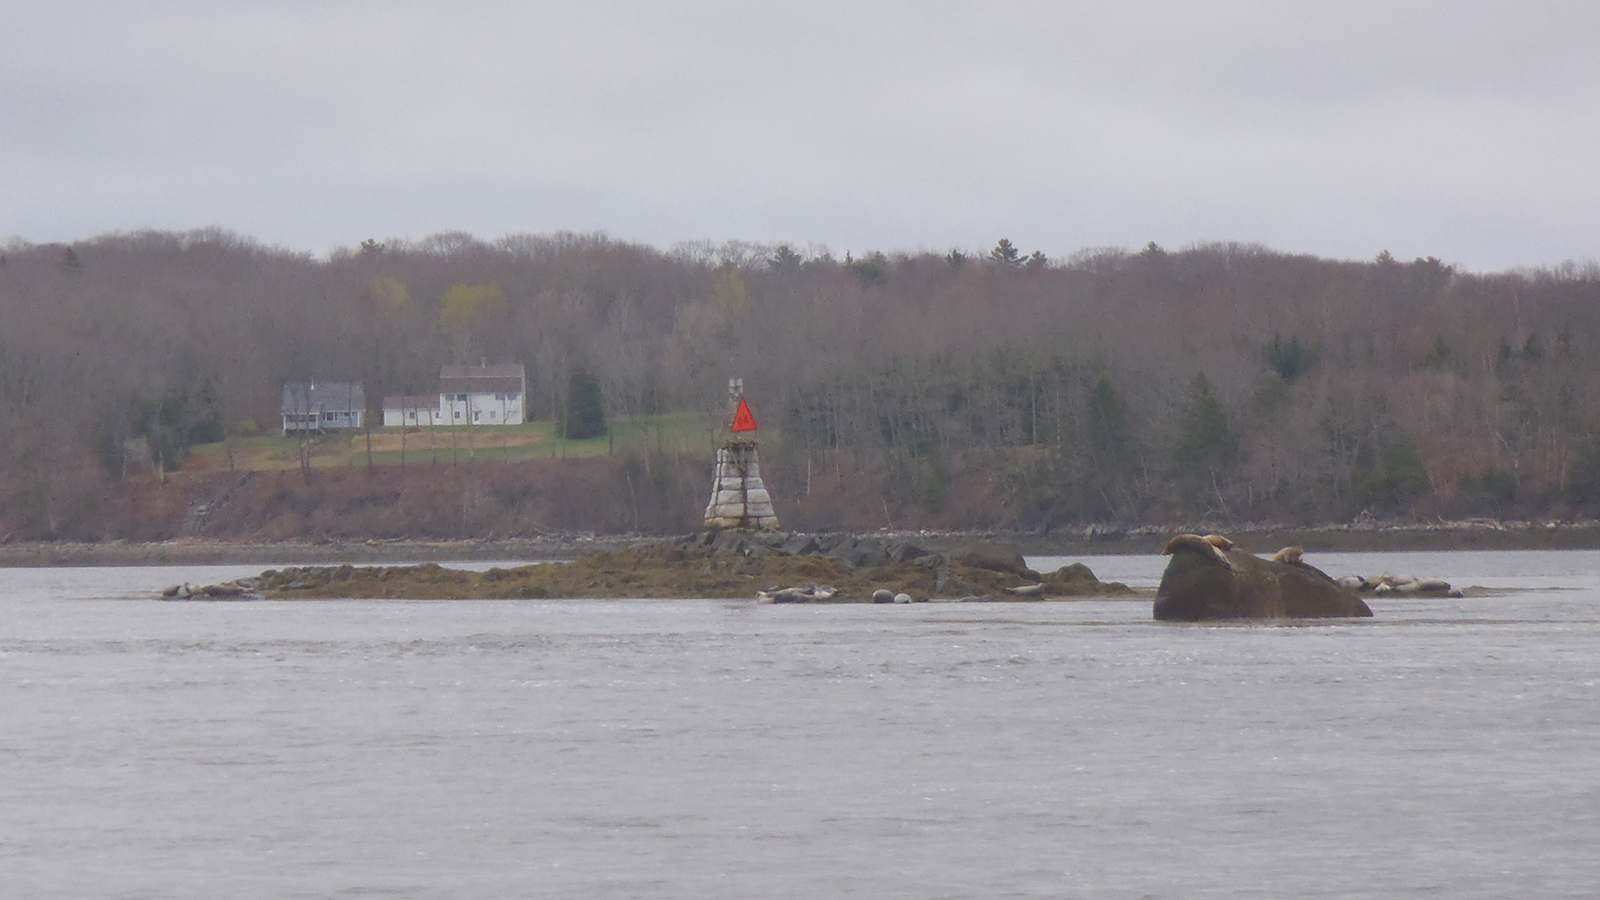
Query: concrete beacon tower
<point x="738" y="498"/>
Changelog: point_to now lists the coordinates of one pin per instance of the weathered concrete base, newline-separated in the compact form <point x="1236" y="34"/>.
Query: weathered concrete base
<point x="739" y="499"/>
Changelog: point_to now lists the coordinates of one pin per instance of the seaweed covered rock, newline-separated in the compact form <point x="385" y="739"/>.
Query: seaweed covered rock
<point x="779" y="567"/>
<point x="1209" y="579"/>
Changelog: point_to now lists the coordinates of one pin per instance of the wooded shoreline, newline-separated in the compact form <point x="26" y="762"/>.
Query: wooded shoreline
<point x="142" y="377"/>
<point x="1074" y="542"/>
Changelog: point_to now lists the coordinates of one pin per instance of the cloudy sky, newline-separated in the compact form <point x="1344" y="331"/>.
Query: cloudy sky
<point x="1464" y="130"/>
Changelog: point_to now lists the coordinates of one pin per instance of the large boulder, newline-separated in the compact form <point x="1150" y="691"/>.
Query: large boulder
<point x="1209" y="579"/>
<point x="860" y="553"/>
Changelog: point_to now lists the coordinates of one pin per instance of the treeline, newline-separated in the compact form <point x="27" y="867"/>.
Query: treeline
<point x="1222" y="380"/>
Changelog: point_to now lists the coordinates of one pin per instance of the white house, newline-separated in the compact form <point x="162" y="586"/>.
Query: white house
<point x="483" y="394"/>
<point x="322" y="407"/>
<point x="468" y="395"/>
<point x="411" y="411"/>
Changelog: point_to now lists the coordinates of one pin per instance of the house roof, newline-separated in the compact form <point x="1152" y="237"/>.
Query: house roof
<point x="328" y="396"/>
<point x="500" y="378"/>
<point x="480" y="385"/>
<point x="496" y="370"/>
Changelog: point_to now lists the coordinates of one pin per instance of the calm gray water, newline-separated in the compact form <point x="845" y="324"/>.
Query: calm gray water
<point x="711" y="749"/>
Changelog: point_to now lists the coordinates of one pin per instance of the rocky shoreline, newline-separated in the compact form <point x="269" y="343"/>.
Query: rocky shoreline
<point x="1088" y="541"/>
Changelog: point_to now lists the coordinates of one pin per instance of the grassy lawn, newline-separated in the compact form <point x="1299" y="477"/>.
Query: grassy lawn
<point x="672" y="432"/>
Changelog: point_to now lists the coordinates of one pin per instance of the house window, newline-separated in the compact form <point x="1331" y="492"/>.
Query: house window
<point x="461" y="397"/>
<point x="493" y="414"/>
<point x="327" y="417"/>
<point x="412" y="416"/>
<point x="458" y="413"/>
<point x="477" y="417"/>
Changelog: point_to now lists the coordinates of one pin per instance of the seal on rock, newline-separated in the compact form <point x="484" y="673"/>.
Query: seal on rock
<point x="1203" y="546"/>
<point x="1290" y="555"/>
<point x="1206" y="581"/>
<point x="811" y="593"/>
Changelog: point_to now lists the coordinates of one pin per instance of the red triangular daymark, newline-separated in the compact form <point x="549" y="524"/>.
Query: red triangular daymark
<point x="742" y="419"/>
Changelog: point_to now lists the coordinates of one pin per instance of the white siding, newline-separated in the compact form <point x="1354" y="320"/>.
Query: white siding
<point x="411" y="417"/>
<point x="481" y="409"/>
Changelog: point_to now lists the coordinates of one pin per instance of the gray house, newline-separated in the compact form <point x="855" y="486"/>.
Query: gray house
<point x="322" y="407"/>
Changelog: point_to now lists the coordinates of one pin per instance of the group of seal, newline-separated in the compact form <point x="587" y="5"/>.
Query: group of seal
<point x="1208" y="578"/>
<point x="1400" y="584"/>
<point x="238" y="589"/>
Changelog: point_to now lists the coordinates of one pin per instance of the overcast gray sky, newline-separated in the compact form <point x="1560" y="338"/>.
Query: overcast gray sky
<point x="1463" y="130"/>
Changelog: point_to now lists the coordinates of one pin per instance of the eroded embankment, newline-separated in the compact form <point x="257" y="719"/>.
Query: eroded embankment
<point x="723" y="564"/>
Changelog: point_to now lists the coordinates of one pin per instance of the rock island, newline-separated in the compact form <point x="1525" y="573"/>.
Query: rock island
<point x="713" y="564"/>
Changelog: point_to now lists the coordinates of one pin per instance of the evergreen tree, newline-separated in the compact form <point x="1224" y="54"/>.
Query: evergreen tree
<point x="785" y="260"/>
<point x="1394" y="479"/>
<point x="1439" y="354"/>
<point x="1207" y="447"/>
<point x="586" y="415"/>
<point x="1583" y="476"/>
<point x="1109" y="443"/>
<point x="204" y="425"/>
<point x="1207" y="442"/>
<point x="1289" y="359"/>
<point x="1006" y="254"/>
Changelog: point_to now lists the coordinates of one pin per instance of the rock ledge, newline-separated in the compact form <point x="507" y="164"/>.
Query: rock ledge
<point x="799" y="567"/>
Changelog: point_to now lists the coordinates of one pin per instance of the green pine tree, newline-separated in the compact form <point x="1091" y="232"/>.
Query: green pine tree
<point x="586" y="415"/>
